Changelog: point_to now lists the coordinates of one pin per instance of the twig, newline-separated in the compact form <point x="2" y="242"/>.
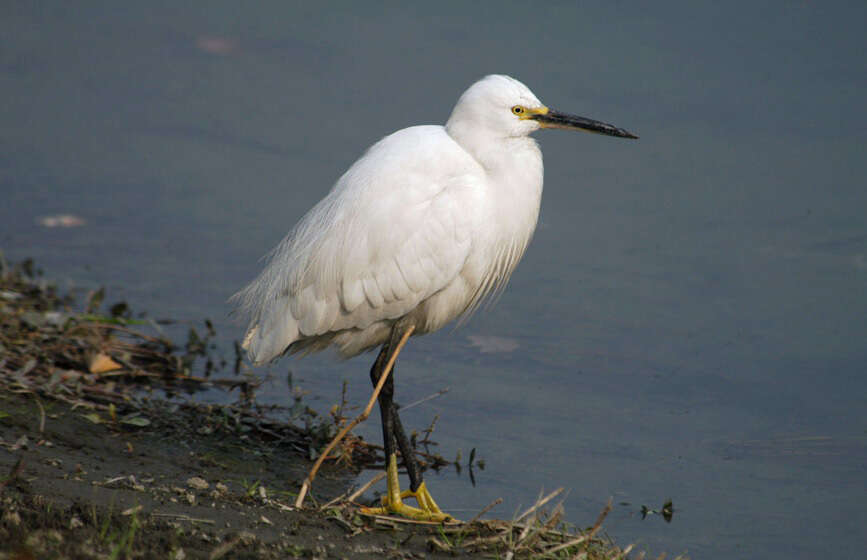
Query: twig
<point x="430" y="430"/>
<point x="389" y="520"/>
<point x="439" y="393"/>
<point x="13" y="473"/>
<point x="92" y="324"/>
<point x="183" y="517"/>
<point x="327" y="505"/>
<point x="432" y="458"/>
<point x="305" y="487"/>
<point x="483" y="541"/>
<point x="224" y="548"/>
<point x="41" y="413"/>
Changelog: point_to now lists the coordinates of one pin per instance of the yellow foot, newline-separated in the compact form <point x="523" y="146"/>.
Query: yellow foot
<point x="392" y="502"/>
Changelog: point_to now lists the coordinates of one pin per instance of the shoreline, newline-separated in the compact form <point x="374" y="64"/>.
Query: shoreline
<point x="92" y="467"/>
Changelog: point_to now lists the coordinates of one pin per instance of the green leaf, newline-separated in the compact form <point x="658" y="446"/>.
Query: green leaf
<point x="110" y="320"/>
<point x="139" y="421"/>
<point x="94" y="417"/>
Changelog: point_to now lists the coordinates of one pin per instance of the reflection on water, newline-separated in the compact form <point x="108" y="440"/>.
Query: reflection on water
<point x="688" y="323"/>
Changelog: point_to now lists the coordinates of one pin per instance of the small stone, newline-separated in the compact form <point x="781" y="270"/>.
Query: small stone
<point x="21" y="443"/>
<point x="135" y="484"/>
<point x="43" y="539"/>
<point x="11" y="517"/>
<point x="197" y="483"/>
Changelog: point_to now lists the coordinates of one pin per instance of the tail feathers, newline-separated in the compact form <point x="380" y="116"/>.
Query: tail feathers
<point x="270" y="337"/>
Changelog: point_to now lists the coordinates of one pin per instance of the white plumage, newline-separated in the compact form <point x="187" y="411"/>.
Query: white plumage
<point x="425" y="225"/>
<point x="419" y="231"/>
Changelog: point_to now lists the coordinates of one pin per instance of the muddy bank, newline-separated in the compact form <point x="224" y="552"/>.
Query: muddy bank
<point x="91" y="466"/>
<point x="72" y="488"/>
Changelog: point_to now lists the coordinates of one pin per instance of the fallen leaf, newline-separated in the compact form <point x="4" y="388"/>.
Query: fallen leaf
<point x="101" y="363"/>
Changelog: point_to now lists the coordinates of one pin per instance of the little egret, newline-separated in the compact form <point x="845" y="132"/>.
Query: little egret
<point x="419" y="231"/>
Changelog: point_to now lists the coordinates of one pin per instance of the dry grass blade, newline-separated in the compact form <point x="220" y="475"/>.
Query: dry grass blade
<point x="354" y="496"/>
<point x="541" y="534"/>
<point x="183" y="517"/>
<point x="485" y="510"/>
<point x="568" y="544"/>
<point x="586" y="537"/>
<point x="533" y="531"/>
<point x="542" y="529"/>
<point x="602" y="515"/>
<point x="41" y="413"/>
<point x="344" y="499"/>
<point x="539" y="503"/>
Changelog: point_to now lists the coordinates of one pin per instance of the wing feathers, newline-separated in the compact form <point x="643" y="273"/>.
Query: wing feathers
<point x="389" y="235"/>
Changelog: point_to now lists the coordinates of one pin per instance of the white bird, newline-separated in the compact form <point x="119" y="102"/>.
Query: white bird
<point x="429" y="222"/>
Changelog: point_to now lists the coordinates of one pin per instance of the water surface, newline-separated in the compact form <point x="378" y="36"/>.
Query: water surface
<point x="689" y="321"/>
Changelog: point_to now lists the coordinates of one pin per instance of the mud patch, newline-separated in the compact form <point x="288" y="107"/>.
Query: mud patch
<point x="75" y="489"/>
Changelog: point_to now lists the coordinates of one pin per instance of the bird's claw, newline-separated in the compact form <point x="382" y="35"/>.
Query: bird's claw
<point x="392" y="502"/>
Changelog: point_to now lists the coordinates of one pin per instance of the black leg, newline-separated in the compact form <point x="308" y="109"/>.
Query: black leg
<point x="406" y="451"/>
<point x="392" y="428"/>
<point x="385" y="401"/>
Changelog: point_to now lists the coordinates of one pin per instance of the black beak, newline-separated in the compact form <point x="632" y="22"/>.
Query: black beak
<point x="556" y="119"/>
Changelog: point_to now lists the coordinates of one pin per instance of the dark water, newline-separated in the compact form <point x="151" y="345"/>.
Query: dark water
<point x="690" y="321"/>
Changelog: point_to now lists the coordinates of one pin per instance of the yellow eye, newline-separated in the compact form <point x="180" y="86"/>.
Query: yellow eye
<point x="518" y="110"/>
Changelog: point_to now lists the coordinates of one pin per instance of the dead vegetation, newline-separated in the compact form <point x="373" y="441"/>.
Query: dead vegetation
<point x="104" y="364"/>
<point x="535" y="533"/>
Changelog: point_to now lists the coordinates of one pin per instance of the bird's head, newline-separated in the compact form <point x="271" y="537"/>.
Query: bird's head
<point x="501" y="106"/>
